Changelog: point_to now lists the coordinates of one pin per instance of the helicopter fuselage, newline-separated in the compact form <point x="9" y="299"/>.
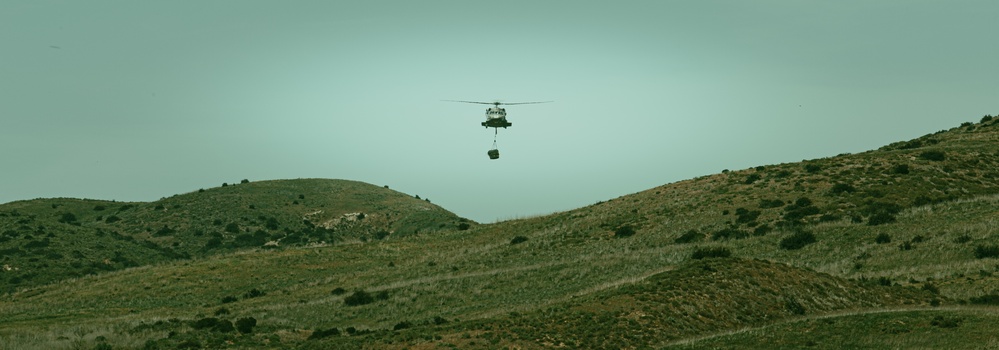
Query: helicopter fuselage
<point x="496" y="118"/>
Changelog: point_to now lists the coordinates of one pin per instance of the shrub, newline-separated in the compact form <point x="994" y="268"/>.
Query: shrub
<point x="881" y="219"/>
<point x="771" y="203"/>
<point x="67" y="218"/>
<point x="319" y="334"/>
<point x="253" y="293"/>
<point x="463" y="226"/>
<point x="518" y="239"/>
<point x="935" y="156"/>
<point x="245" y="325"/>
<point x="986" y="251"/>
<point x="205" y="323"/>
<point x="716" y="252"/>
<point x="689" y="237"/>
<point x="229" y="299"/>
<point x="402" y="325"/>
<point x="729" y="233"/>
<point x="112" y="219"/>
<point x="987" y="299"/>
<point x="841" y="188"/>
<point x="945" y="322"/>
<point x="245" y="181"/>
<point x="624" y="231"/>
<point x="338" y="291"/>
<point x="901" y="169"/>
<point x="797" y="240"/>
<point x="359" y="297"/>
<point x="752" y="178"/>
<point x="232" y="228"/>
<point x="746" y="216"/>
<point x="794" y="306"/>
<point x="813" y="168"/>
<point x="882" y="238"/>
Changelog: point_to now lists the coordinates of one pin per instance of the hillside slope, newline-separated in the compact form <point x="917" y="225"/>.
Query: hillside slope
<point x="47" y="240"/>
<point x="910" y="225"/>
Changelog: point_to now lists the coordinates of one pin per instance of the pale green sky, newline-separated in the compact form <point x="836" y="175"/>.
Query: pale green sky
<point x="137" y="100"/>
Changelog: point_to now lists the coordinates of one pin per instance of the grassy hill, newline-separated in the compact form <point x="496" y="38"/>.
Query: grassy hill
<point x="46" y="240"/>
<point x="890" y="243"/>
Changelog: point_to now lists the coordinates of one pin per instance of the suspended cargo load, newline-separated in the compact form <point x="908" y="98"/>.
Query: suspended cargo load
<point x="493" y="154"/>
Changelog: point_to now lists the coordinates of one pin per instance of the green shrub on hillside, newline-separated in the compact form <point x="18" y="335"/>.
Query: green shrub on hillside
<point x="689" y="237"/>
<point x="714" y="252"/>
<point x="882" y="238"/>
<point x="746" y="216"/>
<point x="935" y="156"/>
<point x="771" y="203"/>
<point x="518" y="239"/>
<point x="797" y="240"/>
<point x="986" y="251"/>
<point x="624" y="231"/>
<point x="245" y="325"/>
<point x="359" y="297"/>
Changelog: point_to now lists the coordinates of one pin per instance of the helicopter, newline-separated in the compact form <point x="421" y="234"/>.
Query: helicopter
<point x="496" y="118"/>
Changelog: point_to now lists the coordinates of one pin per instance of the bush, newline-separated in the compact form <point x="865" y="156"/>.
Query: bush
<point x="797" y="240"/>
<point x="716" y="252"/>
<point x="935" y="156"/>
<point x="112" y="219"/>
<point x="67" y="218"/>
<point x="944" y="322"/>
<point x="518" y="239"/>
<point x="253" y="293"/>
<point x="245" y="325"/>
<point x="771" y="203"/>
<point x="752" y="178"/>
<point x="842" y="188"/>
<point x="901" y="169"/>
<point x="338" y="291"/>
<point x="624" y="231"/>
<point x="359" y="297"/>
<point x="402" y="325"/>
<point x="319" y="334"/>
<point x="223" y="326"/>
<point x="689" y="237"/>
<point x="986" y="251"/>
<point x="729" y="233"/>
<point x="794" y="306"/>
<point x="988" y="299"/>
<point x="880" y="219"/>
<point x="746" y="216"/>
<point x="882" y="238"/>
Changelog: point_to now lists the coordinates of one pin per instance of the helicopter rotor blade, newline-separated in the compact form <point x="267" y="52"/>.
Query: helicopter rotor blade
<point x="523" y="103"/>
<point x="499" y="103"/>
<point x="481" y="103"/>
